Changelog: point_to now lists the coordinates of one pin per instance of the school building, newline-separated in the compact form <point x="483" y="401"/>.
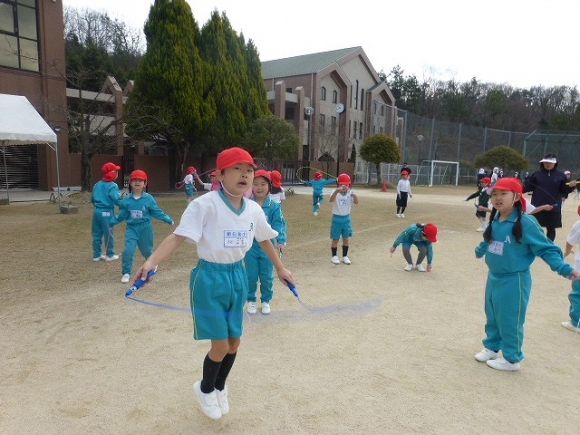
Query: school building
<point x="334" y="100"/>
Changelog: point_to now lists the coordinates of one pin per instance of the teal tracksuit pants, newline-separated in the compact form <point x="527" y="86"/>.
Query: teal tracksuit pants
<point x="137" y="235"/>
<point x="574" y="298"/>
<point x="259" y="267"/>
<point x="506" y="303"/>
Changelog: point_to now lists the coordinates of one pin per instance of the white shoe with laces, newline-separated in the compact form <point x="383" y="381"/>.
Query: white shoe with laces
<point x="503" y="364"/>
<point x="208" y="402"/>
<point x="402" y="215"/>
<point x="125" y="278"/>
<point x="251" y="308"/>
<point x="111" y="258"/>
<point x="266" y="308"/>
<point x="485" y="355"/>
<point x="568" y="325"/>
<point x="420" y="268"/>
<point x="335" y="260"/>
<point x="222" y="398"/>
<point x="409" y="267"/>
<point x="346" y="260"/>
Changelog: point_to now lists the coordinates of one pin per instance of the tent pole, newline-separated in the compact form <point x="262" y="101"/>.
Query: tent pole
<point x="6" y="173"/>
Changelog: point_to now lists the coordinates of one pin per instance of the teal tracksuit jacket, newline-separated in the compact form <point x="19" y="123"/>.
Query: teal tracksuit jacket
<point x="509" y="281"/>
<point x="138" y="213"/>
<point x="258" y="265"/>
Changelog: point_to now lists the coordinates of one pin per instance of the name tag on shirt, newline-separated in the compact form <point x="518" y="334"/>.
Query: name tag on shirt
<point x="343" y="201"/>
<point x="236" y="238"/>
<point x="496" y="247"/>
<point x="106" y="214"/>
<point x="136" y="214"/>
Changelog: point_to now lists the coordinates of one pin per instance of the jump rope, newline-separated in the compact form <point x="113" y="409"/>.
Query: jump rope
<point x="181" y="183"/>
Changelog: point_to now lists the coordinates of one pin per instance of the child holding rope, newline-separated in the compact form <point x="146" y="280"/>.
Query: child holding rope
<point x="223" y="224"/>
<point x="482" y="202"/>
<point x="189" y="183"/>
<point x="104" y="197"/>
<point x="317" y="189"/>
<point x="422" y="236"/>
<point x="342" y="200"/>
<point x="510" y="244"/>
<point x="258" y="265"/>
<point x="137" y="209"/>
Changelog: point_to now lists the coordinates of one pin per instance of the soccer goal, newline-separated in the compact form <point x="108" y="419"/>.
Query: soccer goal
<point x="443" y="172"/>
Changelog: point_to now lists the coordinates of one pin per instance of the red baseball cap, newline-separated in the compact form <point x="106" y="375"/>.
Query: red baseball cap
<point x="486" y="180"/>
<point x="512" y="184"/>
<point x="138" y="174"/>
<point x="276" y="178"/>
<point x="343" y="179"/>
<point x="190" y="170"/>
<point x="430" y="231"/>
<point x="233" y="156"/>
<point x="109" y="171"/>
<point x="263" y="173"/>
<point x="317" y="175"/>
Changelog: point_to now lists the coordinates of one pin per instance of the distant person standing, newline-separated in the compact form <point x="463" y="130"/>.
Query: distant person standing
<point x="406" y="168"/>
<point x="548" y="186"/>
<point x="105" y="197"/>
<point x="481" y="173"/>
<point x="403" y="193"/>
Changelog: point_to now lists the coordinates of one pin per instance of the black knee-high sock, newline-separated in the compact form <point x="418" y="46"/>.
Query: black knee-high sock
<point x="224" y="371"/>
<point x="551" y="233"/>
<point x="333" y="250"/>
<point x="344" y="250"/>
<point x="210" y="372"/>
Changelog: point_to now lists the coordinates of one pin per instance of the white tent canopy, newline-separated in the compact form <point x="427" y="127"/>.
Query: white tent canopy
<point x="21" y="124"/>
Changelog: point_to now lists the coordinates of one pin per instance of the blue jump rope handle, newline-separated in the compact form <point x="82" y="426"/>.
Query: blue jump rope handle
<point x="292" y="288"/>
<point x="139" y="283"/>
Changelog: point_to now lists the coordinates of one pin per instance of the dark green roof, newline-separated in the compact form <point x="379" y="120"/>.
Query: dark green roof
<point x="301" y="65"/>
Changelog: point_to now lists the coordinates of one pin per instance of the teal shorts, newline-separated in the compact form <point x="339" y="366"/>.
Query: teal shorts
<point x="340" y="227"/>
<point x="218" y="293"/>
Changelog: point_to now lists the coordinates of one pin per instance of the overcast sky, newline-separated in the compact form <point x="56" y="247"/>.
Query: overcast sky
<point x="523" y="43"/>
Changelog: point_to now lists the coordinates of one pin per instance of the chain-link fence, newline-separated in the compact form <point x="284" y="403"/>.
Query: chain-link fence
<point x="423" y="140"/>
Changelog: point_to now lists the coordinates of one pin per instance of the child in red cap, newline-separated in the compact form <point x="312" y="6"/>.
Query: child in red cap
<point x="138" y="208"/>
<point x="482" y="206"/>
<point x="104" y="197"/>
<point x="317" y="189"/>
<point x="277" y="191"/>
<point x="403" y="193"/>
<point x="422" y="236"/>
<point x="189" y="183"/>
<point x="511" y="243"/>
<point x="223" y="225"/>
<point x="342" y="200"/>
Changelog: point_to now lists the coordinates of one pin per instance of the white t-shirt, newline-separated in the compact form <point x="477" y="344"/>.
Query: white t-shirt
<point x="404" y="186"/>
<point x="342" y="204"/>
<point x="188" y="179"/>
<point x="278" y="197"/>
<point x="222" y="233"/>
<point x="574" y="239"/>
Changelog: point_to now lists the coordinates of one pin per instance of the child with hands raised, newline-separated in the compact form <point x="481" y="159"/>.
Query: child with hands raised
<point x="342" y="200"/>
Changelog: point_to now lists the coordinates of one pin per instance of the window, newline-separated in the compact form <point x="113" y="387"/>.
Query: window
<point x="354" y="125"/>
<point x="323" y="93"/>
<point x="382" y="110"/>
<point x="356" y="96"/>
<point x="362" y="97"/>
<point x="360" y="128"/>
<point x="18" y="34"/>
<point x="322" y="123"/>
<point x="333" y="125"/>
<point x="334" y="97"/>
<point x="374" y="107"/>
<point x="289" y="90"/>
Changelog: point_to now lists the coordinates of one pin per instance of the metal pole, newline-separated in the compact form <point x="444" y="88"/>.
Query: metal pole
<point x="6" y="175"/>
<point x="57" y="130"/>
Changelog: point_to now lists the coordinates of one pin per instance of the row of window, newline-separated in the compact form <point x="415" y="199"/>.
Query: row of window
<point x="356" y="94"/>
<point x="352" y="128"/>
<point x="19" y="34"/>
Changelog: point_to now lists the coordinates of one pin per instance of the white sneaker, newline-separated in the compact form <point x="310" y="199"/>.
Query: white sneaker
<point x="335" y="260"/>
<point x="409" y="267"/>
<point x="568" y="325"/>
<point x="486" y="355"/>
<point x="398" y="215"/>
<point x="222" y="398"/>
<point x="251" y="308"/>
<point x="98" y="258"/>
<point x="125" y="278"/>
<point x="402" y="215"/>
<point x="266" y="308"/>
<point x="114" y="257"/>
<point x="503" y="364"/>
<point x="346" y="260"/>
<point x="420" y="268"/>
<point x="315" y="213"/>
<point x="208" y="402"/>
<point x="480" y="229"/>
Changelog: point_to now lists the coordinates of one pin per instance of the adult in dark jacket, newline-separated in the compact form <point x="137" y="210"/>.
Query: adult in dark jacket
<point x="549" y="187"/>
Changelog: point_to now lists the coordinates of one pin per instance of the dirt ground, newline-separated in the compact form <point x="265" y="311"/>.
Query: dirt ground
<point x="382" y="351"/>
